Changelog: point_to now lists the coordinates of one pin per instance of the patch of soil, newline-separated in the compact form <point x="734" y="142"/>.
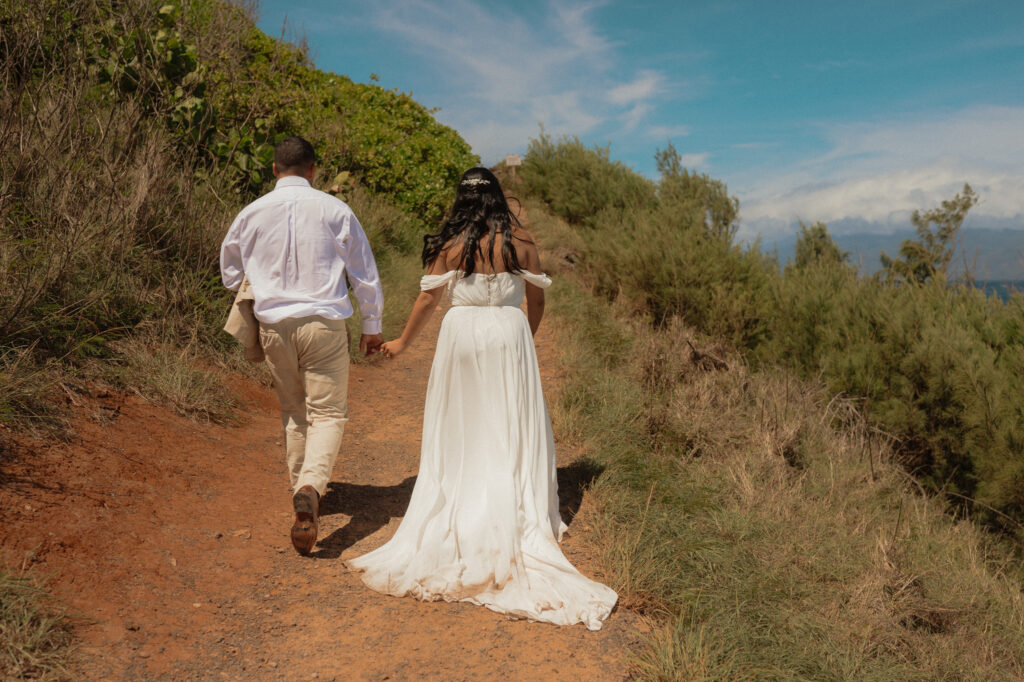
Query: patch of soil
<point x="171" y="539"/>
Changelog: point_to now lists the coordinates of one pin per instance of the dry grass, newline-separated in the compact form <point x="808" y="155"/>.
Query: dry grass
<point x="35" y="639"/>
<point x="26" y="392"/>
<point x="181" y="378"/>
<point x="761" y="522"/>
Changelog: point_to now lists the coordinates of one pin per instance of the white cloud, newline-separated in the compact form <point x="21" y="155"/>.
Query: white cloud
<point x="635" y="116"/>
<point x="646" y="85"/>
<point x="987" y="134"/>
<point x="662" y="132"/>
<point x="503" y="75"/>
<point x="876" y="175"/>
<point x="577" y="30"/>
<point x="693" y="160"/>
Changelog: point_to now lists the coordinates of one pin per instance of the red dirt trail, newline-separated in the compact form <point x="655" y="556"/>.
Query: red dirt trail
<point x="170" y="540"/>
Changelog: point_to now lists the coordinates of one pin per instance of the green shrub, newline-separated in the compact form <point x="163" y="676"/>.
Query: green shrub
<point x="579" y="183"/>
<point x="934" y="365"/>
<point x="762" y="525"/>
<point x="159" y="124"/>
<point x="667" y="246"/>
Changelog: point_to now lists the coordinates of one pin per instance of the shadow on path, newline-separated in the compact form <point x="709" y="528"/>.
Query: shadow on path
<point x="373" y="506"/>
<point x="573" y="481"/>
<point x="370" y="506"/>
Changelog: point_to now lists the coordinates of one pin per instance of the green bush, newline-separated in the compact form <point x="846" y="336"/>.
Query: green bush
<point x="668" y="247"/>
<point x="936" y="366"/>
<point x="579" y="183"/>
<point x="939" y="367"/>
<point x="159" y="125"/>
<point x="756" y="519"/>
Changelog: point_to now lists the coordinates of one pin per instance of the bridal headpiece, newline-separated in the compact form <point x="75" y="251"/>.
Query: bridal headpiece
<point x="474" y="182"/>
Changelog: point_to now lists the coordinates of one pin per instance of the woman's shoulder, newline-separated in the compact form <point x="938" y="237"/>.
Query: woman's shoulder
<point x="521" y="234"/>
<point x="526" y="248"/>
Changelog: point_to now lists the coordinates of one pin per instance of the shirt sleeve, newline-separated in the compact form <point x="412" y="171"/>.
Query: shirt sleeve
<point x="361" y="269"/>
<point x="231" y="271"/>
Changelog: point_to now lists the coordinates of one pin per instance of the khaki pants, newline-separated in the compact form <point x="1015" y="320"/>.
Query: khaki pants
<point x="308" y="358"/>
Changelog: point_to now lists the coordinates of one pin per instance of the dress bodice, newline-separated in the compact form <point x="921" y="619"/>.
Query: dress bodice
<point x="479" y="289"/>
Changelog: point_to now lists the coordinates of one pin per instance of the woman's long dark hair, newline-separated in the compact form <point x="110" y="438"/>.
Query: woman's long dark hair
<point x="480" y="210"/>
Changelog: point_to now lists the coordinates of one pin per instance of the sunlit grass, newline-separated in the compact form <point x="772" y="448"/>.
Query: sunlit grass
<point x="759" y="521"/>
<point x="35" y="637"/>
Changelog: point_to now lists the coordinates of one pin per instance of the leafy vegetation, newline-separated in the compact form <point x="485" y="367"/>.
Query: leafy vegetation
<point x="132" y="133"/>
<point x="924" y="259"/>
<point x="579" y="183"/>
<point x="934" y="364"/>
<point x="763" y="525"/>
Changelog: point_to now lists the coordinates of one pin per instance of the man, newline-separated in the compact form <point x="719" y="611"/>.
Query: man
<point x="296" y="245"/>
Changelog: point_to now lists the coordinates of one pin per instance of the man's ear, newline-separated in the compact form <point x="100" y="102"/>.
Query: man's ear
<point x="273" y="167"/>
<point x="311" y="172"/>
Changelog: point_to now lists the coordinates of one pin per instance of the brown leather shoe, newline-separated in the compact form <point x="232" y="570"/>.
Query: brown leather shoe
<point x="307" y="510"/>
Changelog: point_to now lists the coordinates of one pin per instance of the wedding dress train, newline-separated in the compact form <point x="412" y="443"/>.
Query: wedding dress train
<point x="483" y="523"/>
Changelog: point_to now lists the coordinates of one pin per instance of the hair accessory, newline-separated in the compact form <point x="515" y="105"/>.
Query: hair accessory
<point x="473" y="182"/>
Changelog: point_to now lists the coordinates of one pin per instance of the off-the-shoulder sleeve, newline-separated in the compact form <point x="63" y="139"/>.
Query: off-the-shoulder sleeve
<point x="542" y="281"/>
<point x="428" y="282"/>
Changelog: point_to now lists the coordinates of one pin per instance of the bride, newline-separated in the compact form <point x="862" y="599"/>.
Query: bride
<point x="483" y="523"/>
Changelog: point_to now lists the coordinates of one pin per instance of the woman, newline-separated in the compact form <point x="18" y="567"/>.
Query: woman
<point x="483" y="523"/>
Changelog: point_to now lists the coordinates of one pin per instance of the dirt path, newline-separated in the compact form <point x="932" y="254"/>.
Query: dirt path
<point x="171" y="539"/>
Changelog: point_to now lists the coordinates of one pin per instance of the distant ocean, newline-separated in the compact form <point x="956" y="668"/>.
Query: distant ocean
<point x="1001" y="287"/>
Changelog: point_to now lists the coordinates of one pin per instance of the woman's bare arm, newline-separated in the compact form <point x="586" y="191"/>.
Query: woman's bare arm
<point x="422" y="309"/>
<point x="529" y="259"/>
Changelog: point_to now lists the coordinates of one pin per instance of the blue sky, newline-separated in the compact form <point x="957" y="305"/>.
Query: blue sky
<point x="854" y="113"/>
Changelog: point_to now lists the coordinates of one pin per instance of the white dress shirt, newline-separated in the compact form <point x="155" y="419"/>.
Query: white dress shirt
<point x="296" y="244"/>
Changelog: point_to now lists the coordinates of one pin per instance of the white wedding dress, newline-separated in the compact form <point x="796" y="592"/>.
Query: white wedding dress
<point x="483" y="523"/>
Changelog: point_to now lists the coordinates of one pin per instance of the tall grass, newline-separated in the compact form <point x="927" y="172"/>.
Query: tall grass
<point x="759" y="520"/>
<point x="940" y="367"/>
<point x="131" y="135"/>
<point x="35" y="639"/>
<point x="98" y="216"/>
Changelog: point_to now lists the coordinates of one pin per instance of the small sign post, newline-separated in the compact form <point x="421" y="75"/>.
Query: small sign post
<point x="511" y="161"/>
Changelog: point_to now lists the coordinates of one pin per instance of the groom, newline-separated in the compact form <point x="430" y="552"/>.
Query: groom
<point x="296" y="245"/>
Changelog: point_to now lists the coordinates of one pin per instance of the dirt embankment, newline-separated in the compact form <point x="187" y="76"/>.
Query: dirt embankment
<point x="171" y="539"/>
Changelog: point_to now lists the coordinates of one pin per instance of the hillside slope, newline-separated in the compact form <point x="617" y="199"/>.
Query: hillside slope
<point x="133" y="132"/>
<point x="757" y="514"/>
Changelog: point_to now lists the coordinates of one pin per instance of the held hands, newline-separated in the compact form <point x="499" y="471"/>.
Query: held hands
<point x="392" y="349"/>
<point x="370" y="344"/>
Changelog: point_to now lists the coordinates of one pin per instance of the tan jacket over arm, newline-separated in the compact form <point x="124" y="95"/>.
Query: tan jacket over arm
<point x="243" y="325"/>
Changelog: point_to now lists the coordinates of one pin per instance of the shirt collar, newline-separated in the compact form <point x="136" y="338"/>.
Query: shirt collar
<point x="291" y="181"/>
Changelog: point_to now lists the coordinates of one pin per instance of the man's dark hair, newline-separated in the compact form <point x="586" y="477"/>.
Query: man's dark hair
<point x="294" y="155"/>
